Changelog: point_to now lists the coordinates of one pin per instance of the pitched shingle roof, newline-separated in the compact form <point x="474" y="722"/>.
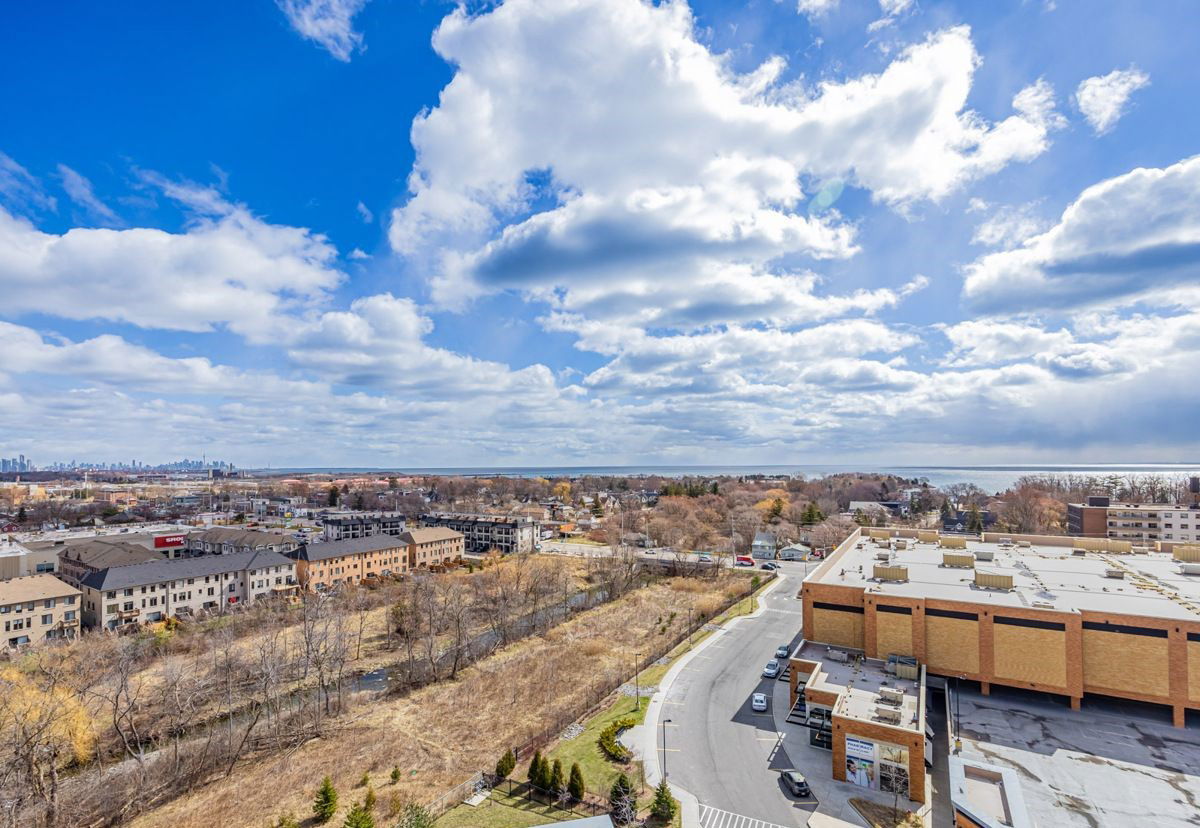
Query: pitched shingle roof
<point x="430" y="534"/>
<point x="349" y="546"/>
<point x="155" y="572"/>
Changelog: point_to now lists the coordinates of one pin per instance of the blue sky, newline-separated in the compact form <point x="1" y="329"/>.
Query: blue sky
<point x="599" y="231"/>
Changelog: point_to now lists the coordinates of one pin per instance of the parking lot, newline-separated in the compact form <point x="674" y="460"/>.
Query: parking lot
<point x="1113" y="763"/>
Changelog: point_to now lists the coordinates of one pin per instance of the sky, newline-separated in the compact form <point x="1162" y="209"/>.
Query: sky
<point x="408" y="232"/>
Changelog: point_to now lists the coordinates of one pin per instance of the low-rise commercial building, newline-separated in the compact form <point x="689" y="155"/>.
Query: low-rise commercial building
<point x="1055" y="614"/>
<point x="223" y="540"/>
<point x="182" y="587"/>
<point x="345" y="526"/>
<point x="38" y="608"/>
<point x="508" y="534"/>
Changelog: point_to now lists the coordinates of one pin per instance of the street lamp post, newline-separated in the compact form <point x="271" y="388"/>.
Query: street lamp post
<point x="637" y="687"/>
<point x="665" y="722"/>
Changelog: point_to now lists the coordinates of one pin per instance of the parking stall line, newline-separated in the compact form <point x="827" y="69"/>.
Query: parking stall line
<point x="711" y="817"/>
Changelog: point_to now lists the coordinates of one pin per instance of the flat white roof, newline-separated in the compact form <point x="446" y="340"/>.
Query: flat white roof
<point x="1052" y="577"/>
<point x="859" y="680"/>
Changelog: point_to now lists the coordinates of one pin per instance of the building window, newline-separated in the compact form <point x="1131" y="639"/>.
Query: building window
<point x="47" y="619"/>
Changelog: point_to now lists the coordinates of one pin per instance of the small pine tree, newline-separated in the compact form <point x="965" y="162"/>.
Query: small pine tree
<point x="575" y="786"/>
<point x="395" y="774"/>
<point x="326" y="802"/>
<point x="358" y="817"/>
<point x="664" y="806"/>
<point x="535" y="769"/>
<point x="365" y="781"/>
<point x="558" y="782"/>
<point x="287" y="820"/>
<point x="21" y="516"/>
<point x="507" y="763"/>
<point x="620" y="797"/>
<point x="369" y="800"/>
<point x="334" y="496"/>
<point x="415" y="816"/>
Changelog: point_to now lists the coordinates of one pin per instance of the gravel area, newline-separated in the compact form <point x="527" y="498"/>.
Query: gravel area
<point x="642" y="690"/>
<point x="570" y="732"/>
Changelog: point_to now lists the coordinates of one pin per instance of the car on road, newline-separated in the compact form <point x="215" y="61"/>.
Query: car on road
<point x="795" y="782"/>
<point x="770" y="566"/>
<point x="758" y="702"/>
<point x="783" y="651"/>
<point x="704" y="559"/>
<point x="771" y="670"/>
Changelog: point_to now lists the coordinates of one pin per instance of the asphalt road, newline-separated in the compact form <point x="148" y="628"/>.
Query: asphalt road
<point x="717" y="748"/>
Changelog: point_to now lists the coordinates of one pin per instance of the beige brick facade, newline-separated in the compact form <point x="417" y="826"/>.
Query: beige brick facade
<point x="1132" y="664"/>
<point x="1193" y="660"/>
<point x="1036" y="656"/>
<point x="952" y="646"/>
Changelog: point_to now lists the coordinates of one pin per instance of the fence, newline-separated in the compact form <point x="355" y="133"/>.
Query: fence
<point x="592" y="805"/>
<point x="456" y="795"/>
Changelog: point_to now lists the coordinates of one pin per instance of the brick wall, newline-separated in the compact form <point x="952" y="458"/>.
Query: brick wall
<point x="915" y="742"/>
<point x="1193" y="671"/>
<point x="952" y="645"/>
<point x="1037" y="656"/>
<point x="1126" y="663"/>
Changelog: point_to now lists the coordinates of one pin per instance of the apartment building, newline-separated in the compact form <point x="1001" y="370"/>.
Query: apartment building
<point x="224" y="540"/>
<point x="87" y="555"/>
<point x="38" y="608"/>
<point x="507" y="534"/>
<point x="1136" y="522"/>
<point x="182" y="587"/>
<point x="322" y="566"/>
<point x="433" y="546"/>
<point x="345" y="526"/>
<point x="1055" y="614"/>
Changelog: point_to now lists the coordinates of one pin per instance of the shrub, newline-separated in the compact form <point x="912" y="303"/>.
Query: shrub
<point x="358" y="817"/>
<point x="535" y="769"/>
<point x="369" y="800"/>
<point x="607" y="740"/>
<point x="396" y="774"/>
<point x="558" y="782"/>
<point x="665" y="805"/>
<point x="415" y="816"/>
<point x="325" y="802"/>
<point x="506" y="764"/>
<point x="575" y="786"/>
<point x="366" y="780"/>
<point x="287" y="820"/>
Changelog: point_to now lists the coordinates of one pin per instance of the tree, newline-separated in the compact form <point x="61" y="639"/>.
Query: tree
<point x="535" y="769"/>
<point x="415" y="816"/>
<point x="334" y="495"/>
<point x="506" y="764"/>
<point x="974" y="521"/>
<point x="558" y="782"/>
<point x="776" y="510"/>
<point x="21" y="516"/>
<point x="326" y="802"/>
<point x="393" y="483"/>
<point x="621" y="798"/>
<point x="665" y="805"/>
<point x="396" y="773"/>
<point x="576" y="787"/>
<point x="287" y="820"/>
<point x="369" y="800"/>
<point x="358" y="817"/>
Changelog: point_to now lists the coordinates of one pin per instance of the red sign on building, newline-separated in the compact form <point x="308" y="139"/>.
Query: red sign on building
<point x="164" y="541"/>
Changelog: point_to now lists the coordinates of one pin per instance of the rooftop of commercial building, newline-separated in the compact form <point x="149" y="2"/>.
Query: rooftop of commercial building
<point x="1044" y="576"/>
<point x="860" y="681"/>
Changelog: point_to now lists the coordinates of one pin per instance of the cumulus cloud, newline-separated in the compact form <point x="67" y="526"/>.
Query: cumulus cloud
<point x="597" y="156"/>
<point x="328" y="23"/>
<point x="81" y="192"/>
<point x="1123" y="240"/>
<point x="816" y="8"/>
<point x="1102" y="99"/>
<point x="227" y="267"/>
<point x="1007" y="226"/>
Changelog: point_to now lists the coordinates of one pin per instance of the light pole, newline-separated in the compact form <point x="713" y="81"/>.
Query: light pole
<point x="637" y="687"/>
<point x="665" y="722"/>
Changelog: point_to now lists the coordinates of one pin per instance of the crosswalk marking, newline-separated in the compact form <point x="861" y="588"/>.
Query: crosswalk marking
<point x="716" y="818"/>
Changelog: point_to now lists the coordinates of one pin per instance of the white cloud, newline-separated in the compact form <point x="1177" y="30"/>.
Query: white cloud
<point x="20" y="190"/>
<point x="988" y="342"/>
<point x="670" y="176"/>
<point x="1008" y="225"/>
<point x="227" y="267"/>
<point x="365" y="213"/>
<point x="1102" y="98"/>
<point x="81" y="192"/>
<point x="1123" y="240"/>
<point x="816" y="8"/>
<point x="328" y="23"/>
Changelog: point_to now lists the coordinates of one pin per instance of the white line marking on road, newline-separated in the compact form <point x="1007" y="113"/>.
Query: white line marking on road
<point x="711" y="817"/>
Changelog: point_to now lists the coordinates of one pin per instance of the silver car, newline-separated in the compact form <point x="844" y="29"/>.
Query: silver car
<point x="771" y="670"/>
<point x="758" y="702"/>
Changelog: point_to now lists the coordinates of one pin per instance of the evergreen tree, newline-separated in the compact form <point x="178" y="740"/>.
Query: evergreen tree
<point x="415" y="816"/>
<point x="974" y="521"/>
<point x="621" y="799"/>
<point x="946" y="514"/>
<point x="776" y="509"/>
<point x="664" y="806"/>
<point x="535" y="769"/>
<point x="369" y="800"/>
<point x="714" y="488"/>
<point x="287" y="821"/>
<point x="506" y="764"/>
<point x="359" y="503"/>
<point x="358" y="817"/>
<point x="325" y="804"/>
<point x="21" y="516"/>
<point x="575" y="786"/>
<point x="334" y="495"/>
<point x="558" y="782"/>
<point x="396" y="773"/>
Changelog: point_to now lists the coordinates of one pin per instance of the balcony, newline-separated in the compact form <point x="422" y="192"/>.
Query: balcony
<point x="125" y="615"/>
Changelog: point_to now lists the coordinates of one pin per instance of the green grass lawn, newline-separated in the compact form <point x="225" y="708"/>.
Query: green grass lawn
<point x="501" y="811"/>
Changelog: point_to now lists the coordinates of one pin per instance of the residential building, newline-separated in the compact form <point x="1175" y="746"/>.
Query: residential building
<point x="38" y="608"/>
<point x="1053" y="614"/>
<point x="226" y="540"/>
<point x="156" y="590"/>
<point x="346" y="525"/>
<point x="763" y="546"/>
<point x="507" y="534"/>
<point x="1140" y="523"/>
<point x="433" y="546"/>
<point x="1088" y="520"/>
<point x="322" y="566"/>
<point x="77" y="560"/>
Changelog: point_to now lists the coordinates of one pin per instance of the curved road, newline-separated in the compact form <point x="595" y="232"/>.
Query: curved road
<point x="717" y="748"/>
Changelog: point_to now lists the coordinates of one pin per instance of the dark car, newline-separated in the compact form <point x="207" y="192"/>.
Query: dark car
<point x="796" y="783"/>
<point x="769" y="565"/>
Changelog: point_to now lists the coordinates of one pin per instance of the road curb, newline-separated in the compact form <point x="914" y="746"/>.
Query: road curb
<point x="689" y="803"/>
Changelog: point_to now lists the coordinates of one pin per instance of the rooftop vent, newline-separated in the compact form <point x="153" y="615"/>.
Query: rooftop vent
<point x="1190" y="568"/>
<point x="888" y="714"/>
<point x="985" y="554"/>
<point x="838" y="656"/>
<point x="890" y="573"/>
<point x="891" y="695"/>
<point x="1115" y="573"/>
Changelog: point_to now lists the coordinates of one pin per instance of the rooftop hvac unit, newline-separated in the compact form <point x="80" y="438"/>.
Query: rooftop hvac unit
<point x="959" y="560"/>
<point x="1140" y="550"/>
<point x="952" y="543"/>
<point x="1190" y="554"/>
<point x="891" y="695"/>
<point x="901" y="543"/>
<point x="993" y="580"/>
<point x="883" y="555"/>
<point x="905" y="670"/>
<point x="888" y="714"/>
<point x="985" y="554"/>
<point x="890" y="573"/>
<point x="1115" y="573"/>
<point x="1005" y="541"/>
<point x="838" y="656"/>
<point x="1190" y="568"/>
<point x="1024" y="544"/>
<point x="1043" y="604"/>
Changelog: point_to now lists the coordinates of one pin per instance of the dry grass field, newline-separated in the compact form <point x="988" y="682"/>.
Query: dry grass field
<point x="441" y="734"/>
